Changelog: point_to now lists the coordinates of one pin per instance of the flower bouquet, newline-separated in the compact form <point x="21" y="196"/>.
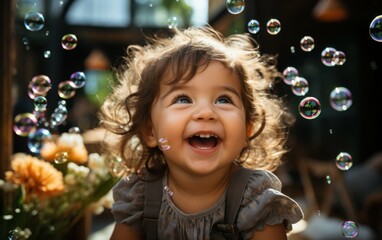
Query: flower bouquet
<point x="47" y="194"/>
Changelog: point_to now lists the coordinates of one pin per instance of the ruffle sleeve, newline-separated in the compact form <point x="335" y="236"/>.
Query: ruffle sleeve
<point x="264" y="204"/>
<point x="128" y="203"/>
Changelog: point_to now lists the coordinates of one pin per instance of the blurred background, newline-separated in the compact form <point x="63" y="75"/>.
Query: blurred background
<point x="101" y="31"/>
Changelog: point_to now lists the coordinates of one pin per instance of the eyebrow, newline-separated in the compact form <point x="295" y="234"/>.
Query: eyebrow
<point x="176" y="87"/>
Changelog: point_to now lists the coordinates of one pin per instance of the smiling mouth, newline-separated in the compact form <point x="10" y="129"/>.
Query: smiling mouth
<point x="204" y="141"/>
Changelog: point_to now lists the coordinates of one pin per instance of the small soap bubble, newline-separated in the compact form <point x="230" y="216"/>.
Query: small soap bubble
<point x="74" y="130"/>
<point x="309" y="108"/>
<point x="344" y="161"/>
<point x="330" y="131"/>
<point x="59" y="115"/>
<point x="300" y="86"/>
<point x="25" y="41"/>
<point x="47" y="33"/>
<point x="273" y="26"/>
<point x="349" y="229"/>
<point x="24" y="123"/>
<point x="328" y="57"/>
<point x="61" y="157"/>
<point x="292" y="49"/>
<point x="172" y="22"/>
<point x="34" y="21"/>
<point x="253" y="26"/>
<point x="328" y="179"/>
<point x="69" y="42"/>
<point x="164" y="144"/>
<point x="37" y="138"/>
<point x="40" y="84"/>
<point x="375" y="29"/>
<point x="40" y="103"/>
<point x="307" y="43"/>
<point x="289" y="73"/>
<point x="340" y="99"/>
<point x="235" y="6"/>
<point x="79" y="79"/>
<point x="47" y="54"/>
<point x="66" y="89"/>
<point x="341" y="58"/>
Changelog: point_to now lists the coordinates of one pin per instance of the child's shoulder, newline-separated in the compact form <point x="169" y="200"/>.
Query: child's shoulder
<point x="261" y="180"/>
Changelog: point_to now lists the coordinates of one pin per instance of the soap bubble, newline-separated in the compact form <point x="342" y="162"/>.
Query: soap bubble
<point x="340" y="99"/>
<point x="37" y="138"/>
<point x="253" y="26"/>
<point x="47" y="54"/>
<point x="309" y="108"/>
<point x="328" y="179"/>
<point x="74" y="130"/>
<point x="66" y="89"/>
<point x="172" y="22"/>
<point x="375" y="29"/>
<point x="341" y="57"/>
<point x="289" y="73"/>
<point x="164" y="144"/>
<point x="273" y="26"/>
<point x="40" y="103"/>
<point x="34" y="21"/>
<point x="328" y="57"/>
<point x="69" y="42"/>
<point x="40" y="84"/>
<point x="307" y="43"/>
<point x="300" y="86"/>
<point x="349" y="229"/>
<point x="24" y="123"/>
<point x="344" y="161"/>
<point x="235" y="6"/>
<point x="78" y="78"/>
<point x="61" y="157"/>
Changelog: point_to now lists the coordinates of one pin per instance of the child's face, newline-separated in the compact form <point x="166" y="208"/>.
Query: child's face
<point x="202" y="119"/>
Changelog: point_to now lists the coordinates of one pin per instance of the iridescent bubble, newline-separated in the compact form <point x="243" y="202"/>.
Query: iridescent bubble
<point x="289" y="73"/>
<point x="253" y="26"/>
<point x="24" y="123"/>
<point x="340" y="99"/>
<point x="34" y="21"/>
<point x="36" y="139"/>
<point x="164" y="144"/>
<point x="79" y="79"/>
<point x="328" y="57"/>
<point x="349" y="229"/>
<point x="40" y="103"/>
<point x="235" y="6"/>
<point x="61" y="157"/>
<point x="59" y="115"/>
<point x="309" y="108"/>
<point x="172" y="22"/>
<point x="273" y="26"/>
<point x="375" y="29"/>
<point x="66" y="89"/>
<point x="300" y="86"/>
<point x="74" y="130"/>
<point x="341" y="57"/>
<point x="328" y="179"/>
<point x="344" y="161"/>
<point x="69" y="42"/>
<point x="40" y="84"/>
<point x="307" y="43"/>
<point x="47" y="54"/>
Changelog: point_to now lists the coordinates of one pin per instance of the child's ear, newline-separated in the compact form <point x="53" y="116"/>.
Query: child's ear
<point x="249" y="130"/>
<point x="149" y="136"/>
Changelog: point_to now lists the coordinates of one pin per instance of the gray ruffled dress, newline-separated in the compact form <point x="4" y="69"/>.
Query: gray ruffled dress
<point x="263" y="204"/>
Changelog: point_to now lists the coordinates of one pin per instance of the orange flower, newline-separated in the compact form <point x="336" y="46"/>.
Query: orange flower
<point x="39" y="178"/>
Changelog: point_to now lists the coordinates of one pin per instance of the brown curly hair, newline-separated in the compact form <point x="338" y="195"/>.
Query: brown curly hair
<point x="126" y="112"/>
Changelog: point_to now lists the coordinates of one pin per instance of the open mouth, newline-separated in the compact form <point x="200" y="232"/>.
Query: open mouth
<point x="204" y="141"/>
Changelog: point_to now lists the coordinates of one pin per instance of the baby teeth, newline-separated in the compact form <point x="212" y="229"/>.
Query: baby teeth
<point x="205" y="135"/>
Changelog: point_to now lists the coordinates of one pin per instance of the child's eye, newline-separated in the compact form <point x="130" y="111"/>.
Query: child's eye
<point x="182" y="99"/>
<point x="224" y="100"/>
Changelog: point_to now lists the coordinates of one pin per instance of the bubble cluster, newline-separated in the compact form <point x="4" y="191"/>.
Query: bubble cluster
<point x="328" y="179"/>
<point x="34" y="21"/>
<point x="309" y="108"/>
<point x="164" y="144"/>
<point x="349" y="229"/>
<point x="273" y="26"/>
<point x="235" y="6"/>
<point x="340" y="99"/>
<point x="253" y="26"/>
<point x="375" y="29"/>
<point x="344" y="161"/>
<point x="307" y="43"/>
<point x="69" y="42"/>
<point x="59" y="115"/>
<point x="300" y="86"/>
<point x="289" y="74"/>
<point x="172" y="22"/>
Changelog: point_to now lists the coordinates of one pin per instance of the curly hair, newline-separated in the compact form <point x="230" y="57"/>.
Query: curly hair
<point x="126" y="112"/>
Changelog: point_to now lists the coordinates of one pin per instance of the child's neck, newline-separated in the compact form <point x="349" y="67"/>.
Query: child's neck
<point x="193" y="194"/>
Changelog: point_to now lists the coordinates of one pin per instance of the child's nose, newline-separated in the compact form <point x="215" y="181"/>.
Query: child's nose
<point x="205" y="111"/>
